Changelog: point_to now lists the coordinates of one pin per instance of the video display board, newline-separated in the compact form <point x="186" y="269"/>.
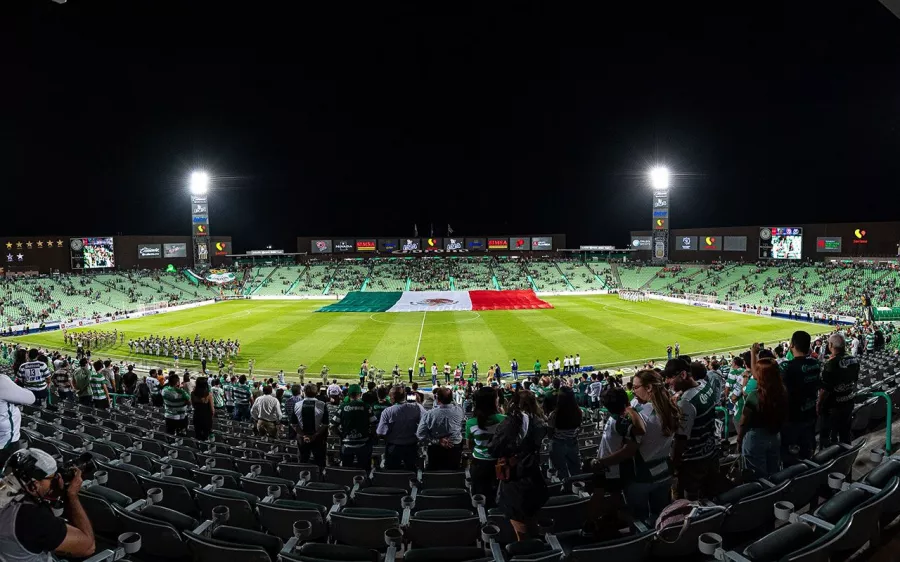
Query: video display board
<point x="711" y="242"/>
<point x="735" y="244"/>
<point x="433" y="244"/>
<point x="541" y="243"/>
<point x="149" y="251"/>
<point x="498" y="244"/>
<point x="321" y="247"/>
<point x="97" y="253"/>
<point x="781" y="243"/>
<point x="388" y="244"/>
<point x="687" y="243"/>
<point x="828" y="244"/>
<point x="476" y="244"/>
<point x="365" y="245"/>
<point x="520" y="243"/>
<point x="343" y="246"/>
<point x="176" y="250"/>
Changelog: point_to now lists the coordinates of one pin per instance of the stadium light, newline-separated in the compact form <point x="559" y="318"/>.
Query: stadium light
<point x="659" y="178"/>
<point x="199" y="183"/>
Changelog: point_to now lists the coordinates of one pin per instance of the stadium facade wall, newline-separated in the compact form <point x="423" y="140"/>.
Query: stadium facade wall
<point x="304" y="243"/>
<point x="56" y="257"/>
<point x="857" y="239"/>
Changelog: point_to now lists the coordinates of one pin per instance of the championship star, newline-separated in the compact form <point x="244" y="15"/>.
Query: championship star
<point x="20" y="257"/>
<point x="9" y="245"/>
<point x="40" y="243"/>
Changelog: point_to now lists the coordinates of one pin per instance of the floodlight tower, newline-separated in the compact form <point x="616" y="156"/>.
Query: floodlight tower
<point x="659" y="182"/>
<point x="199" y="188"/>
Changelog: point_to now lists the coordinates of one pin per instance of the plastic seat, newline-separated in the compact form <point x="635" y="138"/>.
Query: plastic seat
<point x="448" y="554"/>
<point x="99" y="510"/>
<point x="230" y="478"/>
<point x="240" y="504"/>
<point x="245" y="466"/>
<point x="568" y="512"/>
<point x="444" y="528"/>
<point x="393" y="478"/>
<point x="292" y="471"/>
<point x="380" y="498"/>
<point x="321" y="493"/>
<point x="176" y="493"/>
<point x="443" y="498"/>
<point x="362" y="527"/>
<point x="124" y="478"/>
<point x="634" y="548"/>
<point x="259" y="485"/>
<point x="343" y="476"/>
<point x="671" y="545"/>
<point x="804" y="487"/>
<point x="278" y="518"/>
<point x="317" y="552"/>
<point x="208" y="549"/>
<point x="444" y="479"/>
<point x="750" y="506"/>
<point x="160" y="529"/>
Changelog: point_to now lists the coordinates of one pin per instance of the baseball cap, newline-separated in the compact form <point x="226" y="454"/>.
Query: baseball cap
<point x="354" y="389"/>
<point x="30" y="464"/>
<point x="673" y="367"/>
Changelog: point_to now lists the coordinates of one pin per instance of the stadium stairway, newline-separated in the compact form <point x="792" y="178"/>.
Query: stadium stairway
<point x="563" y="275"/>
<point x="615" y="273"/>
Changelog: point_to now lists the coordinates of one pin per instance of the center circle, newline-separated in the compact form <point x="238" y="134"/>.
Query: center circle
<point x="417" y="320"/>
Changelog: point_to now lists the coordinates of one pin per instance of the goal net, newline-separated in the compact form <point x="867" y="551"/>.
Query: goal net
<point x="153" y="306"/>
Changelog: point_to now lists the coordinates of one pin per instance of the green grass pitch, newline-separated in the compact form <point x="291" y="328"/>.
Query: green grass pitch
<point x="605" y="330"/>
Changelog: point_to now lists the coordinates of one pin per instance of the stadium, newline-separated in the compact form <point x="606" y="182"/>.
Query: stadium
<point x="526" y="283"/>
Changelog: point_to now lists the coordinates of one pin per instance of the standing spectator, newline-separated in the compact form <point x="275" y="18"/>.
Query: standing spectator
<point x="801" y="378"/>
<point x="129" y="380"/>
<point x="355" y="421"/>
<point x="11" y="396"/>
<point x="835" y="403"/>
<point x="517" y="446"/>
<point x="107" y="371"/>
<point x="34" y="376"/>
<point x="175" y="400"/>
<point x="312" y="426"/>
<point x="564" y="422"/>
<point x="398" y="426"/>
<point x="62" y="379"/>
<point x="99" y="387"/>
<point x="694" y="455"/>
<point x="188" y="383"/>
<point x="241" y="393"/>
<point x="648" y="492"/>
<point x="289" y="405"/>
<point x="218" y="396"/>
<point x="202" y="401"/>
<point x="479" y="431"/>
<point x="82" y="381"/>
<point x="759" y="438"/>
<point x="441" y="429"/>
<point x="267" y="411"/>
<point x="143" y="391"/>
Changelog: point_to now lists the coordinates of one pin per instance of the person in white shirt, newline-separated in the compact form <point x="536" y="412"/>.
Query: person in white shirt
<point x="854" y="346"/>
<point x="11" y="396"/>
<point x="577" y="363"/>
<point x="267" y="411"/>
<point x="550" y="367"/>
<point x="566" y="365"/>
<point x="595" y="390"/>
<point x="556" y="367"/>
<point x="334" y="389"/>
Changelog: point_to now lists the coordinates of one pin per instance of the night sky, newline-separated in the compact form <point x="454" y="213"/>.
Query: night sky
<point x="498" y="118"/>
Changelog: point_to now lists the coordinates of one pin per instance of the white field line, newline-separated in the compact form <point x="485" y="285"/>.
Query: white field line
<point x="421" y="329"/>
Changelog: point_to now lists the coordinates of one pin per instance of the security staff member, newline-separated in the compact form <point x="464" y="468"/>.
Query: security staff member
<point x="28" y="529"/>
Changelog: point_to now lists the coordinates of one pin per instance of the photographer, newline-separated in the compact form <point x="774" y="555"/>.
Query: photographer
<point x="28" y="529"/>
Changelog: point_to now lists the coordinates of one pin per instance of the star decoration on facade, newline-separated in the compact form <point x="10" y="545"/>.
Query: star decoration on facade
<point x="59" y="243"/>
<point x="9" y="257"/>
<point x="28" y="244"/>
<point x="50" y="243"/>
<point x="20" y="257"/>
<point x="9" y="245"/>
<point x="40" y="243"/>
<point x="18" y="245"/>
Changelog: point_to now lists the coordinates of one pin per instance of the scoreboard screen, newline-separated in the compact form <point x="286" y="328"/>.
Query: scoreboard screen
<point x="781" y="243"/>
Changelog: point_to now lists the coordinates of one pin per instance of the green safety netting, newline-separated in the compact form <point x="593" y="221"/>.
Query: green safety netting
<point x="364" y="302"/>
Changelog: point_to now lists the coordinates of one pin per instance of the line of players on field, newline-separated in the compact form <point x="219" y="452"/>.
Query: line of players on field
<point x="569" y="365"/>
<point x="200" y="348"/>
<point x="93" y="338"/>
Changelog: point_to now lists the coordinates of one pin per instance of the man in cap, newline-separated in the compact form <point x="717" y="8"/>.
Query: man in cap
<point x="29" y="531"/>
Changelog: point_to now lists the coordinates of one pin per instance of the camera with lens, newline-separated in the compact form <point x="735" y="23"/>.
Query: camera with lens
<point x="85" y="463"/>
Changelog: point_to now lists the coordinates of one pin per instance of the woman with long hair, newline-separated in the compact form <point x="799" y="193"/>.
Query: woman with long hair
<point x="479" y="430"/>
<point x="759" y="429"/>
<point x="517" y="446"/>
<point x="202" y="401"/>
<point x="564" y="422"/>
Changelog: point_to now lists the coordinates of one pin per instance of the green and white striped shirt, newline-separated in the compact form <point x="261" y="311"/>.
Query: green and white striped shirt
<point x="175" y="401"/>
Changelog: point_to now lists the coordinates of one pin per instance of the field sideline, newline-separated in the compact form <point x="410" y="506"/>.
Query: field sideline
<point x="603" y="329"/>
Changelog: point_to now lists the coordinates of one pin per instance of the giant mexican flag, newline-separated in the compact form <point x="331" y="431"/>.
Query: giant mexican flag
<point x="419" y="301"/>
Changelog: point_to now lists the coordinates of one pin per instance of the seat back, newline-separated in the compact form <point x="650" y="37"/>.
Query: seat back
<point x="443" y="479"/>
<point x="104" y="520"/>
<point x="206" y="549"/>
<point x="568" y="512"/>
<point x="279" y="520"/>
<point x="159" y="540"/>
<point x="804" y="487"/>
<point x="863" y="521"/>
<point x="342" y="476"/>
<point x="393" y="478"/>
<point x="633" y="549"/>
<point x="241" y="509"/>
<point x="443" y="498"/>
<point x="444" y="528"/>
<point x="176" y="495"/>
<point x="380" y="498"/>
<point x="125" y="481"/>
<point x="676" y="541"/>
<point x="754" y="511"/>
<point x="322" y="495"/>
<point x="292" y="471"/>
<point x="363" y="528"/>
<point x="259" y="485"/>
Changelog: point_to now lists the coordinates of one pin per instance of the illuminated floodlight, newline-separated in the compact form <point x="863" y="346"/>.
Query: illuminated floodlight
<point x="199" y="183"/>
<point x="659" y="178"/>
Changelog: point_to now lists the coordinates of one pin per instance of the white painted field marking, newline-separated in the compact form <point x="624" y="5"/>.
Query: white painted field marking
<point x="422" y="329"/>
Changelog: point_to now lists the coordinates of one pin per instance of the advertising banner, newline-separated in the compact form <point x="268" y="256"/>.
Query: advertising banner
<point x="201" y="230"/>
<point x="476" y="244"/>
<point x="344" y="245"/>
<point x="830" y="244"/>
<point x="454" y="244"/>
<point x="200" y="208"/>
<point x="687" y="242"/>
<point x="200" y="219"/>
<point x="410" y="244"/>
<point x="149" y="251"/>
<point x="640" y="242"/>
<point x="320" y="247"/>
<point x="660" y="224"/>
<point x="177" y="250"/>
<point x="222" y="248"/>
<point x="365" y="245"/>
<point x="433" y="244"/>
<point x="498" y="244"/>
<point x="735" y="244"/>
<point x="541" y="243"/>
<point x="661" y="202"/>
<point x="520" y="243"/>
<point x="711" y="243"/>
<point x="388" y="244"/>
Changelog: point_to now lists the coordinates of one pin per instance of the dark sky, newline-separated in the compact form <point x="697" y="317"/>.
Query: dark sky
<point x="499" y="118"/>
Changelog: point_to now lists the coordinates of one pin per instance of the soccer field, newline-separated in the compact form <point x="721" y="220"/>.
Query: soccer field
<point x="603" y="329"/>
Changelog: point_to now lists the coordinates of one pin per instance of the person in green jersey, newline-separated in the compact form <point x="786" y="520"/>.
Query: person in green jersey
<point x="99" y="387"/>
<point x="175" y="401"/>
<point x="537" y="368"/>
<point x="479" y="430"/>
<point x="355" y="424"/>
<point x="382" y="403"/>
